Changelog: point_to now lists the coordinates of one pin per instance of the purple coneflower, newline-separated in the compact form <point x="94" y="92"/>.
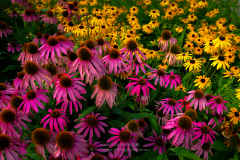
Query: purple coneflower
<point x="171" y="55"/>
<point x="113" y="62"/>
<point x="217" y="104"/>
<point x="91" y="45"/>
<point x="4" y="29"/>
<point x="69" y="145"/>
<point x="13" y="47"/>
<point x="96" y="147"/>
<point x="115" y="156"/>
<point x="105" y="90"/>
<point x="123" y="139"/>
<point x="12" y="121"/>
<point x="92" y="123"/>
<point x="29" y="15"/>
<point x="17" y="82"/>
<point x="5" y="92"/>
<point x="49" y="17"/>
<point x="102" y="46"/>
<point x="140" y="88"/>
<point x="34" y="73"/>
<point x="204" y="131"/>
<point x="166" y="40"/>
<point x="169" y="106"/>
<point x="15" y="101"/>
<point x="202" y="149"/>
<point x="198" y="99"/>
<point x="33" y="99"/>
<point x="132" y="50"/>
<point x="11" y="148"/>
<point x="42" y="139"/>
<point x="159" y="75"/>
<point x="30" y="53"/>
<point x="69" y="90"/>
<point x="182" y="132"/>
<point x="172" y="80"/>
<point x="88" y="64"/>
<point x="54" y="47"/>
<point x="135" y="66"/>
<point x="56" y="119"/>
<point x="158" y="142"/>
<point x="133" y="127"/>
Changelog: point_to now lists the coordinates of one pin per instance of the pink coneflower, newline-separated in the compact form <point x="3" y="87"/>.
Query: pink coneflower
<point x="33" y="99"/>
<point x="217" y="104"/>
<point x="182" y="132"/>
<point x="91" y="45"/>
<point x="12" y="121"/>
<point x="17" y="82"/>
<point x="96" y="147"/>
<point x="56" y="119"/>
<point x="33" y="72"/>
<point x="15" y="102"/>
<point x="135" y="66"/>
<point x="29" y="15"/>
<point x="124" y="139"/>
<point x="166" y="40"/>
<point x="159" y="75"/>
<point x="113" y="62"/>
<point x="92" y="123"/>
<point x="49" y="17"/>
<point x="69" y="90"/>
<point x="157" y="142"/>
<point x="184" y="103"/>
<point x="169" y="106"/>
<point x="105" y="90"/>
<point x="30" y="53"/>
<point x="70" y="58"/>
<point x="172" y="80"/>
<point x="131" y="50"/>
<point x="88" y="64"/>
<point x="133" y="127"/>
<point x="202" y="149"/>
<point x="4" y="29"/>
<point x="42" y="139"/>
<point x="116" y="156"/>
<point x="171" y="55"/>
<point x="102" y="46"/>
<point x="140" y="88"/>
<point x="198" y="99"/>
<point x="70" y="145"/>
<point x="11" y="147"/>
<point x="204" y="131"/>
<point x="54" y="47"/>
<point x="13" y="47"/>
<point x="162" y="118"/>
<point x="5" y="92"/>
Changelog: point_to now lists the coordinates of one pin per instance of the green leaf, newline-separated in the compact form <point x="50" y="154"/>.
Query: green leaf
<point x="86" y="111"/>
<point x="219" y="146"/>
<point x="182" y="153"/>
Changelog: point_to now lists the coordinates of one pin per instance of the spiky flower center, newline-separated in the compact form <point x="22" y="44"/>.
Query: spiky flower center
<point x="198" y="94"/>
<point x="65" y="140"/>
<point x="30" y="68"/>
<point x="51" y="68"/>
<point x="31" y="95"/>
<point x="114" y="53"/>
<point x="52" y="41"/>
<point x="132" y="45"/>
<point x="7" y="116"/>
<point x="125" y="136"/>
<point x="65" y="81"/>
<point x="219" y="100"/>
<point x="105" y="83"/>
<point x="172" y="102"/>
<point x="55" y="113"/>
<point x="71" y="56"/>
<point x="191" y="113"/>
<point x="20" y="75"/>
<point x="133" y="126"/>
<point x="185" y="122"/>
<point x="41" y="136"/>
<point x="205" y="129"/>
<point x="100" y="42"/>
<point x="90" y="44"/>
<point x="192" y="61"/>
<point x="15" y="101"/>
<point x="5" y="142"/>
<point x="3" y="86"/>
<point x="32" y="48"/>
<point x="166" y="35"/>
<point x="84" y="54"/>
<point x="92" y="121"/>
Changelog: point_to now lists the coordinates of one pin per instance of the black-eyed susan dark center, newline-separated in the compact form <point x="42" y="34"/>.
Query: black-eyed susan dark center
<point x="40" y="136"/>
<point x="105" y="83"/>
<point x="185" y="122"/>
<point x="65" y="140"/>
<point x="221" y="58"/>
